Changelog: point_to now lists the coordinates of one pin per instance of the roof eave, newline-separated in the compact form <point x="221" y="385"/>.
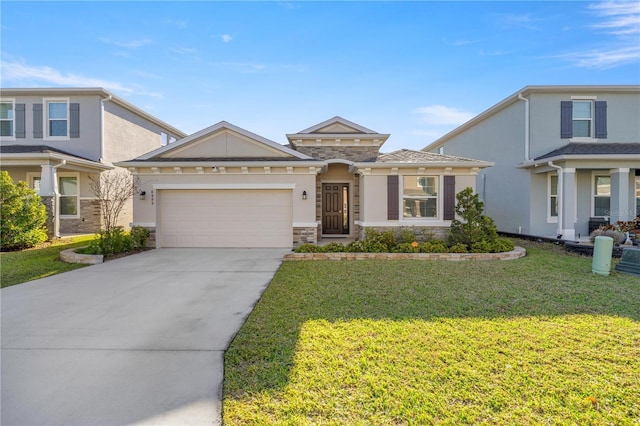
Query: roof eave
<point x="14" y="159"/>
<point x="211" y="163"/>
<point x="598" y="157"/>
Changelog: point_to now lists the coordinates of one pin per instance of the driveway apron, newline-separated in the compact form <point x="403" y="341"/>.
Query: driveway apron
<point x="138" y="340"/>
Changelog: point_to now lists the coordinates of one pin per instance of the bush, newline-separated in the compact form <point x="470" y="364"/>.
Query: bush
<point x="433" y="246"/>
<point x="618" y="237"/>
<point x="458" y="248"/>
<point x="139" y="237"/>
<point x="356" y="247"/>
<point x="22" y="215"/>
<point x="502" y="245"/>
<point x="307" y="248"/>
<point x="482" y="247"/>
<point x="333" y="248"/>
<point x="406" y="248"/>
<point x="374" y="238"/>
<point x="475" y="227"/>
<point x="111" y="242"/>
<point x="406" y="235"/>
<point x="376" y="247"/>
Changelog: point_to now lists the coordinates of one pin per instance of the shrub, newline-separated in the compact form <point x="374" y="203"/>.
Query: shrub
<point x="374" y="237"/>
<point x="139" y="237"/>
<point x="22" y="215"/>
<point x="475" y="227"/>
<point x="376" y="247"/>
<point x="406" y="235"/>
<point x="482" y="247"/>
<point x="406" y="248"/>
<point x="458" y="248"/>
<point x="618" y="237"/>
<point x="433" y="246"/>
<point x="333" y="248"/>
<point x="356" y="247"/>
<point x="111" y="242"/>
<point x="307" y="248"/>
<point x="502" y="245"/>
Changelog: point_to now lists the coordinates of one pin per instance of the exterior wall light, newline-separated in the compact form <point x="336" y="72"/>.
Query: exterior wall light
<point x="143" y="195"/>
<point x="304" y="195"/>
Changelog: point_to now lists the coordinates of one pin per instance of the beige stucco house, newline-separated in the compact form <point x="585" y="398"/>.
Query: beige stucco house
<point x="225" y="186"/>
<point x="57" y="139"/>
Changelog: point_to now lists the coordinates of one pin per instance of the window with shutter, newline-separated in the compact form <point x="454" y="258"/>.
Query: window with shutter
<point x="7" y="118"/>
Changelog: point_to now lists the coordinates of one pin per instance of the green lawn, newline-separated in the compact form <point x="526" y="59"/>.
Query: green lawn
<point x="539" y="340"/>
<point x="26" y="265"/>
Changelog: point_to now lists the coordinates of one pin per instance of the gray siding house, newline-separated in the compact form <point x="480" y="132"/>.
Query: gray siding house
<point x="57" y="139"/>
<point x="566" y="158"/>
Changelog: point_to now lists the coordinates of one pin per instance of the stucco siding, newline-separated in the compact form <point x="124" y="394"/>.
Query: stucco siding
<point x="127" y="135"/>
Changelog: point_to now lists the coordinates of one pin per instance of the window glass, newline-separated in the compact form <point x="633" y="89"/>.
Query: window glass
<point x="36" y="183"/>
<point x="602" y="196"/>
<point x="582" y="109"/>
<point x="637" y="196"/>
<point x="57" y="117"/>
<point x="603" y="185"/>
<point x="420" y="196"/>
<point x="582" y="129"/>
<point x="553" y="194"/>
<point x="6" y="119"/>
<point x="68" y="189"/>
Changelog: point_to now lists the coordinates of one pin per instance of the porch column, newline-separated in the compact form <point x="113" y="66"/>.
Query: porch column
<point x="49" y="194"/>
<point x="568" y="229"/>
<point x="620" y="208"/>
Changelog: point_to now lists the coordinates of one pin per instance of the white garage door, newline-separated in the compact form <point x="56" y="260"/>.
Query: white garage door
<point x="225" y="218"/>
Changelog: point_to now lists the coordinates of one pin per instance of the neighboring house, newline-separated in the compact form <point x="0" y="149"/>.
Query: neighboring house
<point x="227" y="187"/>
<point x="566" y="158"/>
<point x="57" y="139"/>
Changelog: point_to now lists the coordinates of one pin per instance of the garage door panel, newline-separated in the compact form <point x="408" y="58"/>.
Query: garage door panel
<point x="225" y="218"/>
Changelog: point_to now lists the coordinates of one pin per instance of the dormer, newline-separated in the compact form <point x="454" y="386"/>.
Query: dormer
<point x="338" y="138"/>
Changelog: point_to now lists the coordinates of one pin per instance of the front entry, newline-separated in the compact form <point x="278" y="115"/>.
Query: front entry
<point x="335" y="208"/>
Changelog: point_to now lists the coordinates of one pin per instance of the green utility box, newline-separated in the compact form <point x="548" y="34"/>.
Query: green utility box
<point x="602" y="250"/>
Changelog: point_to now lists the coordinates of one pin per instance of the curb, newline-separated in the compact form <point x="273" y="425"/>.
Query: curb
<point x="516" y="253"/>
<point x="70" y="256"/>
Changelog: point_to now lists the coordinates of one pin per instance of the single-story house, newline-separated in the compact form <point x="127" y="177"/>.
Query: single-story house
<point x="225" y="186"/>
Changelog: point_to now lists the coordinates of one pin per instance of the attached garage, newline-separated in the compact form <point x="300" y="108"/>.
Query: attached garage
<point x="227" y="217"/>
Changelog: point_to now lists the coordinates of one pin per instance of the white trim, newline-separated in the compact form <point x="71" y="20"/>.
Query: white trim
<point x="13" y="127"/>
<point x="620" y="170"/>
<point x="552" y="219"/>
<point x="231" y="186"/>
<point x="398" y="223"/>
<point x="584" y="98"/>
<point x="45" y="118"/>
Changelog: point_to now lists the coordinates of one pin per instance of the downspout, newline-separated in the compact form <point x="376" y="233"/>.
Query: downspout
<point x="102" y="101"/>
<point x="560" y="198"/>
<point x="526" y="126"/>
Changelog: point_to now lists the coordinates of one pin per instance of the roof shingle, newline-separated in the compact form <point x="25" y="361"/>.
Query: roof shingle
<point x="594" y="148"/>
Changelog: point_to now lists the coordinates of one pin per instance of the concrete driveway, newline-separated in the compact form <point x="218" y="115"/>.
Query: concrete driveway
<point x="138" y="340"/>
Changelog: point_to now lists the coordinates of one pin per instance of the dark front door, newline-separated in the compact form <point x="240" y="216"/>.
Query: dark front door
<point x="335" y="208"/>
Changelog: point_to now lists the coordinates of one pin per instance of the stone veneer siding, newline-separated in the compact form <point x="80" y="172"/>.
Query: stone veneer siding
<point x="304" y="235"/>
<point x="50" y="207"/>
<point x="89" y="221"/>
<point x="422" y="233"/>
<point x="351" y="153"/>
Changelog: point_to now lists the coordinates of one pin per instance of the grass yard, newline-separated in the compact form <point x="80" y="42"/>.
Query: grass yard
<point x="21" y="266"/>
<point x="539" y="340"/>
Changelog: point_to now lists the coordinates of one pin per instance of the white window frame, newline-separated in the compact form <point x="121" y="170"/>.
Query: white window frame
<point x="592" y="119"/>
<point x="30" y="178"/>
<point x="30" y="182"/>
<point x="552" y="219"/>
<point x="438" y="196"/>
<point x="593" y="192"/>
<point x="45" y="119"/>
<point x="12" y="101"/>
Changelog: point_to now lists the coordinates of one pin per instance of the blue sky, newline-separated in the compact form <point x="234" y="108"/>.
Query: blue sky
<point x="412" y="69"/>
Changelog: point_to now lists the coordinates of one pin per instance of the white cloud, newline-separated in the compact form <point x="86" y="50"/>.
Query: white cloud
<point x="184" y="50"/>
<point x="604" y="59"/>
<point x="127" y="44"/>
<point x="19" y="72"/>
<point x="226" y="38"/>
<point x="620" y="18"/>
<point x="440" y="115"/>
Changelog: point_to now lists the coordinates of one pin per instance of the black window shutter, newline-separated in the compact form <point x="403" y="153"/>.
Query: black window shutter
<point x="74" y="124"/>
<point x="601" y="119"/>
<point x="37" y="120"/>
<point x="566" y="119"/>
<point x="20" y="120"/>
<point x="449" y="200"/>
<point x="392" y="197"/>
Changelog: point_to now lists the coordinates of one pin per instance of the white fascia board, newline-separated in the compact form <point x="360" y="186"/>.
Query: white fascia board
<point x="337" y="119"/>
<point x="210" y="163"/>
<point x="221" y="186"/>
<point x="475" y="164"/>
<point x="37" y="159"/>
<point x="591" y="157"/>
<point x="382" y="137"/>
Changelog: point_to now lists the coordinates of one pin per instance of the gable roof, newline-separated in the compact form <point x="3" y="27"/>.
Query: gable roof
<point x="525" y="91"/>
<point x="587" y="149"/>
<point x="337" y="120"/>
<point x="280" y="151"/>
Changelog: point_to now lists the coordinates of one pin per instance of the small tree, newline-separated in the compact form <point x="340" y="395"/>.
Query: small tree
<point x="474" y="227"/>
<point x="113" y="190"/>
<point x="23" y="216"/>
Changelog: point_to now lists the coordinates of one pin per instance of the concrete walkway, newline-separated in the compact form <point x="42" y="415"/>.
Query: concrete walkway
<point x="138" y="340"/>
